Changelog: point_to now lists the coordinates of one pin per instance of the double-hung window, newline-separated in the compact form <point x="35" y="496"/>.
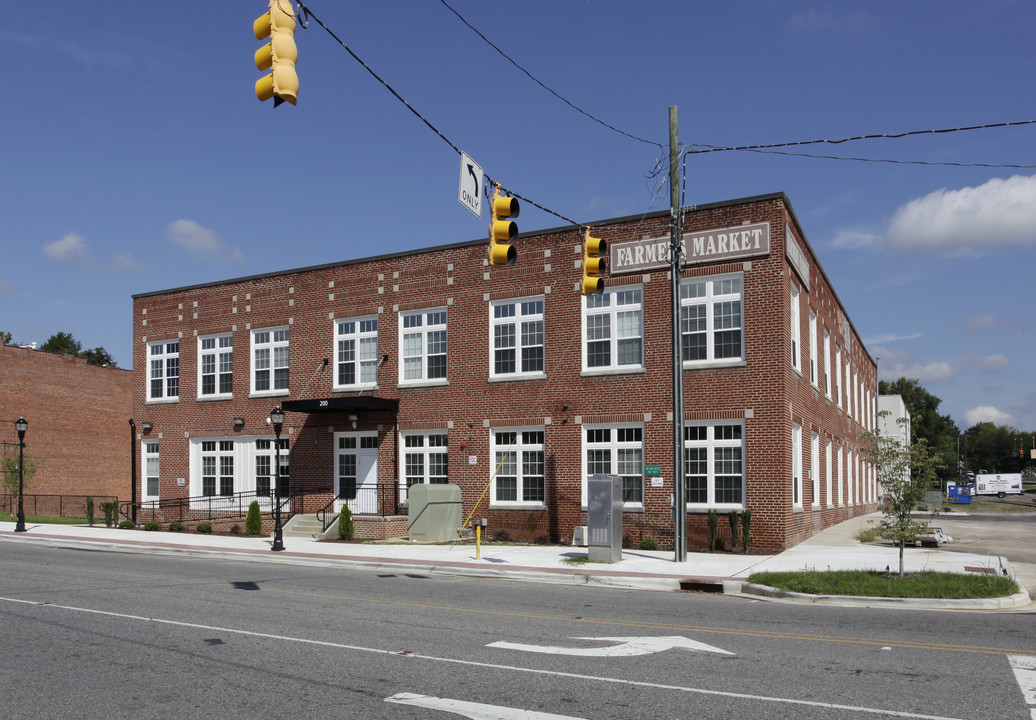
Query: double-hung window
<point x="613" y="330"/>
<point x="422" y="337"/>
<point x="426" y="458"/>
<point x="616" y="450"/>
<point x="711" y="320"/>
<point x="217" y="467"/>
<point x="796" y="465"/>
<point x="714" y="466"/>
<point x="516" y="329"/>
<point x="163" y="370"/>
<point x="151" y="488"/>
<point x="270" y="361"/>
<point x="796" y="332"/>
<point x="265" y="459"/>
<point x="827" y="364"/>
<point x="356" y="353"/>
<point x="814" y="466"/>
<point x="216" y="366"/>
<point x="813" y="367"/>
<point x="518" y="461"/>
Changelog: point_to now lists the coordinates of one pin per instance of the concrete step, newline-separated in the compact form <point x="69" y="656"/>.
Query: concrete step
<point x="303" y="526"/>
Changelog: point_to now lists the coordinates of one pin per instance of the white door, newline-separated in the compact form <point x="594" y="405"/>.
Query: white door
<point x="356" y="473"/>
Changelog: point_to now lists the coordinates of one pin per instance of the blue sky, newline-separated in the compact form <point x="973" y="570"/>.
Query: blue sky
<point x="135" y="156"/>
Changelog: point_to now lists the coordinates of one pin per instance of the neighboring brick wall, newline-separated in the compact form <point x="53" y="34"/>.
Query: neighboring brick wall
<point x="764" y="391"/>
<point x="78" y="415"/>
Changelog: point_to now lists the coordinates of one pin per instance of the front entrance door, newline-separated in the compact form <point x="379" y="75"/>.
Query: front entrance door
<point x="356" y="472"/>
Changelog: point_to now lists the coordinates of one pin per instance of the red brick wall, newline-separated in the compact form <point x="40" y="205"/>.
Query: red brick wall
<point x="764" y="391"/>
<point x="78" y="415"/>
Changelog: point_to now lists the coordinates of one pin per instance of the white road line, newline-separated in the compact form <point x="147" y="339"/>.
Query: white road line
<point x="496" y="666"/>
<point x="475" y="711"/>
<point x="1024" y="667"/>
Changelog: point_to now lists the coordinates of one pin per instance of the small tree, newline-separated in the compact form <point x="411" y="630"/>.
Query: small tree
<point x="906" y="474"/>
<point x="735" y="528"/>
<point x="712" y="524"/>
<point x="90" y="510"/>
<point x="10" y="470"/>
<point x="746" y="529"/>
<point x="346" y="527"/>
<point x="254" y="519"/>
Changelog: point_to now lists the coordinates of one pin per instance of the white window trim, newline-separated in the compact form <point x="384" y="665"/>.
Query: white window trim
<point x="849" y="479"/>
<point x="424" y="329"/>
<point x="814" y="467"/>
<point x="356" y="336"/>
<point x="840" y="477"/>
<point x="709" y="301"/>
<point x="144" y="456"/>
<point x="425" y="450"/>
<point x="838" y="375"/>
<point x="612" y="310"/>
<point x="517" y="319"/>
<point x="711" y="444"/>
<point x="796" y="466"/>
<point x="166" y="356"/>
<point x="614" y="445"/>
<point x="244" y="453"/>
<point x="796" y="331"/>
<point x="814" y="365"/>
<point x="520" y="448"/>
<point x="271" y="345"/>
<point x="218" y="352"/>
<point x="828" y="464"/>
<point x="827" y="364"/>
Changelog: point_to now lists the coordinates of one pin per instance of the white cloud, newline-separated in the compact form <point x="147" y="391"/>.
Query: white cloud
<point x="829" y="22"/>
<point x="894" y="365"/>
<point x="978" y="323"/>
<point x="890" y="337"/>
<point x="987" y="413"/>
<point x="992" y="363"/>
<point x="853" y="239"/>
<point x="70" y="249"/>
<point x="201" y="242"/>
<point x="973" y="219"/>
<point x="124" y="262"/>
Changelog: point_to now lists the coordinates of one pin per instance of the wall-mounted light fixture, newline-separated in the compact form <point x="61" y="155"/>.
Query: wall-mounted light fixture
<point x="354" y="419"/>
<point x="239" y="422"/>
<point x="146" y="427"/>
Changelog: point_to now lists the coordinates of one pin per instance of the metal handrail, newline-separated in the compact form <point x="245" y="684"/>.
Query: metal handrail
<point x="386" y="501"/>
<point x="198" y="508"/>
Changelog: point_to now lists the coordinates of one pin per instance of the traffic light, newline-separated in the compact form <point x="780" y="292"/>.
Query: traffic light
<point x="500" y="229"/>
<point x="278" y="55"/>
<point x="593" y="265"/>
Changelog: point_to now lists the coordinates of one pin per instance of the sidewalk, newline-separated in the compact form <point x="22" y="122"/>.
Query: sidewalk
<point x="833" y="549"/>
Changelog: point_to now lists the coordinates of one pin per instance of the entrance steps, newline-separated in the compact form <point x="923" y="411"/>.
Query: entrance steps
<point x="303" y="526"/>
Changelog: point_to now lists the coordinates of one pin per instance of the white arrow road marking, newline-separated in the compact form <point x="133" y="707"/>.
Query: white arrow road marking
<point x="627" y="647"/>
<point x="1024" y="667"/>
<point x="475" y="711"/>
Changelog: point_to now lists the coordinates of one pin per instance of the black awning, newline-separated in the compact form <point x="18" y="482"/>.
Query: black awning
<point x="345" y="404"/>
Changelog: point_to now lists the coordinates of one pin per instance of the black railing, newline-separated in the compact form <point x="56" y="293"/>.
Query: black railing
<point x="383" y="499"/>
<point x="201" y="508"/>
<point x="66" y="506"/>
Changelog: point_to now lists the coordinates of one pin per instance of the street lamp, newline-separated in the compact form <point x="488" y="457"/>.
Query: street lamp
<point x="21" y="426"/>
<point x="277" y="419"/>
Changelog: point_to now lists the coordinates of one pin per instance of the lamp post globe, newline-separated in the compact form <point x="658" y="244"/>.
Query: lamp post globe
<point x="277" y="420"/>
<point x="21" y="426"/>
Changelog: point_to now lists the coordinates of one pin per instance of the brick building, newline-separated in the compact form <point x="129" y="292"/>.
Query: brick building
<point x="431" y="366"/>
<point x="79" y="433"/>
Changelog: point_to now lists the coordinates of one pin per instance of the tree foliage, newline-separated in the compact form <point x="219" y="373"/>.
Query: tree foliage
<point x="66" y="344"/>
<point x="994" y="448"/>
<point x="9" y="463"/>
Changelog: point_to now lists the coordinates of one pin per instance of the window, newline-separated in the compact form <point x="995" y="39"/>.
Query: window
<point x="217" y="467"/>
<point x="796" y="349"/>
<point x="840" y="478"/>
<point x="711" y="320"/>
<point x="838" y="375"/>
<point x="422" y="337"/>
<point x="814" y="466"/>
<point x="714" y="470"/>
<point x="519" y="456"/>
<point x="265" y="459"/>
<point x="849" y="388"/>
<point x="616" y="450"/>
<point x="163" y="370"/>
<point x="426" y="458"/>
<point x="827" y="364"/>
<point x="356" y="353"/>
<point x="796" y="465"/>
<point x="849" y="476"/>
<point x="613" y="330"/>
<point x="516" y="329"/>
<point x="216" y="366"/>
<point x="151" y="488"/>
<point x="813" y="377"/>
<point x="828" y="459"/>
<point x="270" y="361"/>
<point x="225" y="471"/>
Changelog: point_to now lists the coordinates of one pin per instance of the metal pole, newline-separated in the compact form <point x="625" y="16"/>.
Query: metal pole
<point x="278" y="537"/>
<point x="21" y="427"/>
<point x="675" y="251"/>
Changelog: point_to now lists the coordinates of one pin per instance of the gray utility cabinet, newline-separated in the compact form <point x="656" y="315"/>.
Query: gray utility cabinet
<point x="604" y="517"/>
<point x="434" y="512"/>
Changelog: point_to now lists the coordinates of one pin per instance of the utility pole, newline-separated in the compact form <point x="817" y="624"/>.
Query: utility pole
<point x="675" y="251"/>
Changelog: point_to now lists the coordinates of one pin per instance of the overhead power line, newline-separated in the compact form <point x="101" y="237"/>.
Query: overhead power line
<point x="894" y="162"/>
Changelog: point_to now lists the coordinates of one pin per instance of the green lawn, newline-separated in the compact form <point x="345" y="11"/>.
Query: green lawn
<point x="49" y="520"/>
<point x="938" y="585"/>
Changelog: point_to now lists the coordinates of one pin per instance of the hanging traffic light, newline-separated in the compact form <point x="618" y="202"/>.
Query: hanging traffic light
<point x="279" y="55"/>
<point x="501" y="229"/>
<point x="593" y="264"/>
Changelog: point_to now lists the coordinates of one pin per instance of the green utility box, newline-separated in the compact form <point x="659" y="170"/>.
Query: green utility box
<point x="434" y="512"/>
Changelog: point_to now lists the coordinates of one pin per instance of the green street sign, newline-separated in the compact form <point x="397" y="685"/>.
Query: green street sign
<point x="652" y="470"/>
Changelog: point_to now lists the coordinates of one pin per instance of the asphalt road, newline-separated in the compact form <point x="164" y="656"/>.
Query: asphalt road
<point x="97" y="633"/>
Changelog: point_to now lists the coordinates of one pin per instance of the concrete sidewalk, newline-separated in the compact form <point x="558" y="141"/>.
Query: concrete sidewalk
<point x="833" y="549"/>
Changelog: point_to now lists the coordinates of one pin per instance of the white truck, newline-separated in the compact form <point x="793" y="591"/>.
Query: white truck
<point x="999" y="484"/>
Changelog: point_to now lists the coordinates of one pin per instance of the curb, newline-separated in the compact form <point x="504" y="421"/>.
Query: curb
<point x="1018" y="600"/>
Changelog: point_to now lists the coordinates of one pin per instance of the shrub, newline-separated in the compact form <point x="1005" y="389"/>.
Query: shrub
<point x="176" y="527"/>
<point x="649" y="544"/>
<point x="254" y="520"/>
<point x="746" y="529"/>
<point x="346" y="528"/>
<point x="501" y="536"/>
<point x="90" y="510"/>
<point x="712" y="522"/>
<point x="111" y="512"/>
<point x="735" y="528"/>
<point x="204" y="528"/>
<point x="127" y="525"/>
<point x="627" y="542"/>
<point x="152" y="525"/>
<point x="235" y="529"/>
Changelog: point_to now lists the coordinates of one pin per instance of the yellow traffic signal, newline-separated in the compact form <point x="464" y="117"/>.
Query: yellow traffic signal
<point x="279" y="55"/>
<point x="593" y="264"/>
<point x="500" y="229"/>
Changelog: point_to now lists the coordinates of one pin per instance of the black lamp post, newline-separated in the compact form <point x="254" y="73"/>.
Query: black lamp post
<point x="21" y="426"/>
<point x="277" y="419"/>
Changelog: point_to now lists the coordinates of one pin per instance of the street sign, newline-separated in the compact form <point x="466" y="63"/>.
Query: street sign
<point x="652" y="470"/>
<point x="470" y="192"/>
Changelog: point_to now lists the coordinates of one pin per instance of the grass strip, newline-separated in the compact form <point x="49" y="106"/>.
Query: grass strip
<point x="865" y="583"/>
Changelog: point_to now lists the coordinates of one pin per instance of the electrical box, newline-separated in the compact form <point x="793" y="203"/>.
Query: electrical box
<point x="434" y="512"/>
<point x="604" y="517"/>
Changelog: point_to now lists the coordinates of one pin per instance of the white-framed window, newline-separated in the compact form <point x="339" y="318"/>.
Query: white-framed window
<point x="356" y="353"/>
<point x="714" y="464"/>
<point x="828" y="462"/>
<point x="616" y="450"/>
<point x="711" y="320"/>
<point x="814" y="467"/>
<point x="151" y="467"/>
<point x="270" y="361"/>
<point x="849" y="478"/>
<point x="163" y="370"/>
<point x="838" y="375"/>
<point x="613" y="330"/>
<point x="827" y="364"/>
<point x="426" y="457"/>
<point x="217" y="467"/>
<point x="813" y="368"/>
<point x="796" y="346"/>
<point x="516" y="336"/>
<point x="422" y="339"/>
<point x="840" y="478"/>
<point x="224" y="472"/>
<point x="848" y="388"/>
<point x="796" y="465"/>
<point x="216" y="366"/>
<point x="265" y="459"/>
<point x="519" y="464"/>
